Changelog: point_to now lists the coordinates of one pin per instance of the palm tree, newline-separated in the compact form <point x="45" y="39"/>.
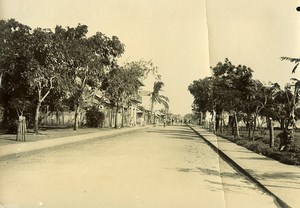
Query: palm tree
<point x="295" y="99"/>
<point x="292" y="104"/>
<point x="155" y="97"/>
<point x="293" y="60"/>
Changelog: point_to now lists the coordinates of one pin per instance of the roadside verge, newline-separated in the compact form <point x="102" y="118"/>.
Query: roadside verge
<point x="279" y="180"/>
<point x="20" y="149"/>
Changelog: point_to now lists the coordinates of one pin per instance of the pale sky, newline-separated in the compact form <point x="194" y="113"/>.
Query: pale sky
<point x="256" y="33"/>
<point x="174" y="34"/>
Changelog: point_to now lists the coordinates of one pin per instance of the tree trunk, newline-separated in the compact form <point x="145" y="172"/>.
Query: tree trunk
<point x="217" y="119"/>
<point x="21" y="134"/>
<point x="249" y="129"/>
<point x="152" y="113"/>
<point x="116" y="117"/>
<point x="122" y="125"/>
<point x="271" y="132"/>
<point x="63" y="117"/>
<point x="282" y="124"/>
<point x="254" y="127"/>
<point x="110" y="118"/>
<point x="1" y="75"/>
<point x="222" y="122"/>
<point x="77" y="109"/>
<point x="236" y="125"/>
<point x="57" y="117"/>
<point x="212" y="124"/>
<point x="36" y="118"/>
<point x="231" y="123"/>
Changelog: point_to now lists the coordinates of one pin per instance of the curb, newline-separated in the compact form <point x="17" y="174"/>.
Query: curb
<point x="279" y="201"/>
<point x="53" y="147"/>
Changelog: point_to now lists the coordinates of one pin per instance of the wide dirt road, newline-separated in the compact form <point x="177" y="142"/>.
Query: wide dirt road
<point x="155" y="168"/>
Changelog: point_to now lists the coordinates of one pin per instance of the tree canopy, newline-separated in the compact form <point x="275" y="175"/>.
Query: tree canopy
<point x="41" y="69"/>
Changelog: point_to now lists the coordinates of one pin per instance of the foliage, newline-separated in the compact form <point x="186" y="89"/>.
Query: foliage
<point x="143" y="68"/>
<point x="156" y="97"/>
<point x="87" y="59"/>
<point x="261" y="146"/>
<point x="94" y="118"/>
<point x="232" y="87"/>
<point x="40" y="67"/>
<point x="202" y="91"/>
<point x="45" y="70"/>
<point x="15" y="90"/>
<point x="293" y="60"/>
<point x="294" y="88"/>
<point x="121" y="84"/>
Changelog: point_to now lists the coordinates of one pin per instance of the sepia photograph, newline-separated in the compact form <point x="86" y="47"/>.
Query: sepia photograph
<point x="149" y="103"/>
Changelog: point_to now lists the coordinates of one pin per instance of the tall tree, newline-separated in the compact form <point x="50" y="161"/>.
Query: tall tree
<point x="45" y="67"/>
<point x="156" y="97"/>
<point x="232" y="90"/>
<point x="202" y="92"/>
<point x="296" y="61"/>
<point x="88" y="59"/>
<point x="31" y="66"/>
<point x="121" y="85"/>
<point x="296" y="89"/>
<point x="15" y="91"/>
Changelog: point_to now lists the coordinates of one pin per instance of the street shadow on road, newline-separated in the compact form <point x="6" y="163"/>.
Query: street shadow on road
<point x="175" y="132"/>
<point x="254" y="158"/>
<point x="232" y="187"/>
<point x="288" y="179"/>
<point x="206" y="171"/>
<point x="229" y="177"/>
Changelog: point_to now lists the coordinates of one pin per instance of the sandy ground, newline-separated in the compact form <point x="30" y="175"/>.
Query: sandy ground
<point x="156" y="167"/>
<point x="48" y="133"/>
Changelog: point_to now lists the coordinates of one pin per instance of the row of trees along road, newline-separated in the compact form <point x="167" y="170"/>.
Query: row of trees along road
<point x="232" y="89"/>
<point x="61" y="69"/>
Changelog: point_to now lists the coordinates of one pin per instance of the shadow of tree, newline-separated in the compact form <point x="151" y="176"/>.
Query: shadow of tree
<point x="282" y="175"/>
<point x="224" y="184"/>
<point x="178" y="133"/>
<point x="206" y="171"/>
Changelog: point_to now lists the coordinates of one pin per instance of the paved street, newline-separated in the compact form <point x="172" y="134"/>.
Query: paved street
<point x="154" y="167"/>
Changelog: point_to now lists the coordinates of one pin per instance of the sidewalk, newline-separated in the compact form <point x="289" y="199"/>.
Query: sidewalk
<point x="23" y="147"/>
<point x="282" y="181"/>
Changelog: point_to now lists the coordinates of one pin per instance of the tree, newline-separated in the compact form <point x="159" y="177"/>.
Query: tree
<point x="296" y="61"/>
<point x="232" y="91"/>
<point x="16" y="93"/>
<point x="39" y="63"/>
<point x="261" y="101"/>
<point x="87" y="59"/>
<point x="31" y="66"/>
<point x="295" y="96"/>
<point x="45" y="67"/>
<point x="156" y="97"/>
<point x="122" y="84"/>
<point x="202" y="92"/>
<point x="280" y="108"/>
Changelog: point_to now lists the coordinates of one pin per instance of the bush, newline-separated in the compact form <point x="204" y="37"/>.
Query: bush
<point x="290" y="158"/>
<point x="94" y="118"/>
<point x="241" y="142"/>
<point x="12" y="126"/>
<point x="261" y="146"/>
